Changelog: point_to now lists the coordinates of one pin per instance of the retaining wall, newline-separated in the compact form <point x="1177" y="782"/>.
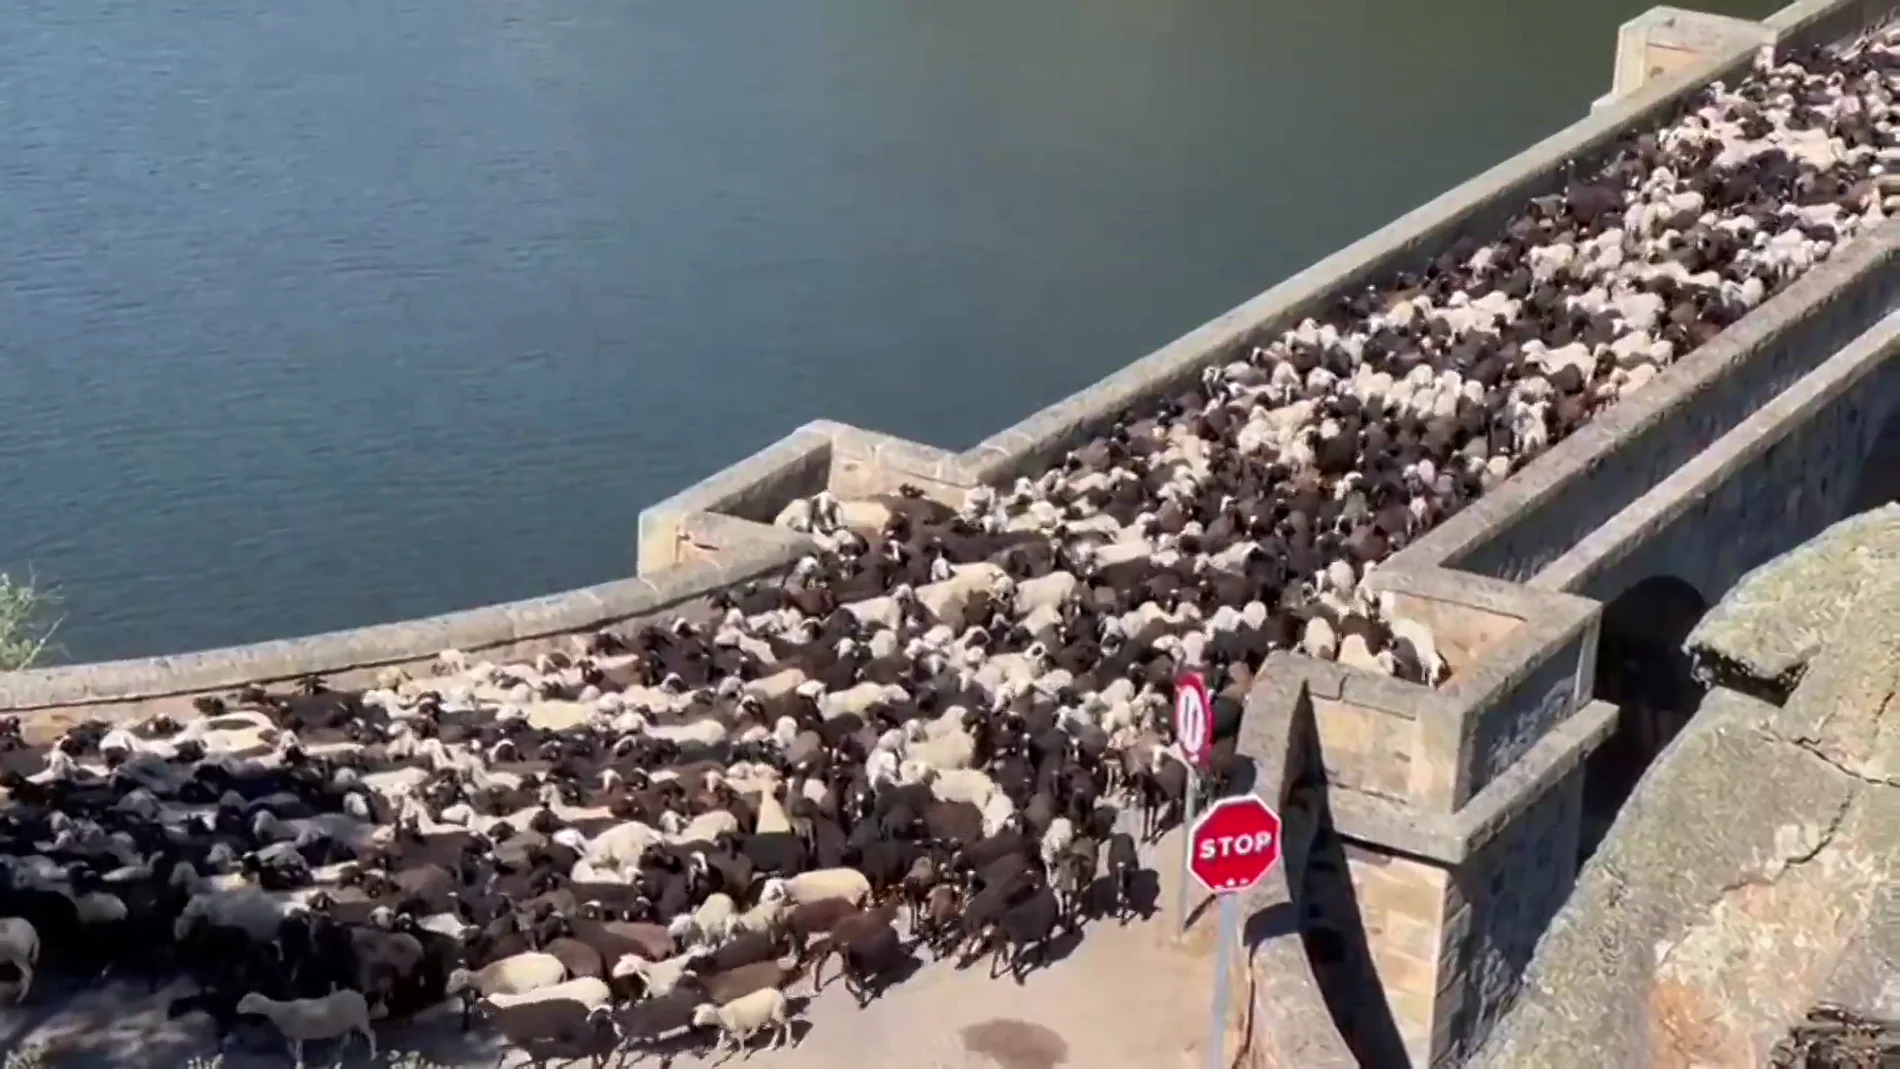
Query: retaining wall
<point x="1428" y="795"/>
<point x="714" y="532"/>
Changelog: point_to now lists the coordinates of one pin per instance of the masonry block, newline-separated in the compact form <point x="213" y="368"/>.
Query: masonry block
<point x="1664" y="40"/>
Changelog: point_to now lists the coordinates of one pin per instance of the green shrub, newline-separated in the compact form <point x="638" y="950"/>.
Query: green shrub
<point x="26" y="623"/>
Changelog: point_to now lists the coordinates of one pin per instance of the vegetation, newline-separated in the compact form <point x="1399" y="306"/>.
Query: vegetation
<point x="26" y="623"/>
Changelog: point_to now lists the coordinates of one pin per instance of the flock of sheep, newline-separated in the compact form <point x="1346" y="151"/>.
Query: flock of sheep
<point x="946" y="728"/>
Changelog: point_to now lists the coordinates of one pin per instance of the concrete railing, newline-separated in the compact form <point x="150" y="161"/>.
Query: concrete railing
<point x="718" y="531"/>
<point x="1431" y="776"/>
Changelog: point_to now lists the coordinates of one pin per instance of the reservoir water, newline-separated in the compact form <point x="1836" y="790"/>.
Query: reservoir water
<point x="314" y="316"/>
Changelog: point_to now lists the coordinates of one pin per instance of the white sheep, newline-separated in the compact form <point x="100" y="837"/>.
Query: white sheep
<point x="1054" y="841"/>
<point x="743" y="1017"/>
<point x="817" y="885"/>
<point x="20" y="947"/>
<point x="706" y="924"/>
<point x="659" y="977"/>
<point x="704" y="732"/>
<point x="1319" y="640"/>
<point x="764" y="917"/>
<point x="338" y="1013"/>
<point x="961" y="785"/>
<point x="1414" y="640"/>
<point x="516" y="974"/>
<point x="703" y="828"/>
<point x="996" y="812"/>
<point x="947" y="751"/>
<point x="590" y="991"/>
<point x="771" y="816"/>
<point x="622" y="845"/>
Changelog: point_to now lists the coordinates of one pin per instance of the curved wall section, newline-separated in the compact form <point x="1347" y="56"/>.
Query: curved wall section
<point x="717" y="531"/>
<point x="1455" y="809"/>
<point x="747" y="550"/>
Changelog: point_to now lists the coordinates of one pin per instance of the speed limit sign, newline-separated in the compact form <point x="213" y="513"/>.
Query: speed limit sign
<point x="1193" y="719"/>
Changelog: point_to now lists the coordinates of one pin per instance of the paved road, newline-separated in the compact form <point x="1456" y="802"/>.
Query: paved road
<point x="1121" y="998"/>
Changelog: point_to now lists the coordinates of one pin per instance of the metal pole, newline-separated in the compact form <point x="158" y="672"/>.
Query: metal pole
<point x="1187" y="825"/>
<point x="1217" y="1034"/>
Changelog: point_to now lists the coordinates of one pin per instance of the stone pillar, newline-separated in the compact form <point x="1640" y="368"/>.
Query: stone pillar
<point x="1414" y="930"/>
<point x="1663" y="40"/>
<point x="1460" y="835"/>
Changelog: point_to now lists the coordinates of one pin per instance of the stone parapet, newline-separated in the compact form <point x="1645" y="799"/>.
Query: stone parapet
<point x="1430" y="833"/>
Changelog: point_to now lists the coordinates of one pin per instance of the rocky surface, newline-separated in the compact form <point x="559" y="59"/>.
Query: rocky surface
<point x="1752" y="873"/>
<point x="1764" y="633"/>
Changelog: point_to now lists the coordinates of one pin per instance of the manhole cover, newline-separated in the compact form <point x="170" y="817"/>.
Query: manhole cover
<point x="1016" y="1044"/>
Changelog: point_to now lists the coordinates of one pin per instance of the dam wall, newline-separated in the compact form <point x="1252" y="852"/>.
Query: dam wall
<point x="1430" y="833"/>
<point x="717" y="531"/>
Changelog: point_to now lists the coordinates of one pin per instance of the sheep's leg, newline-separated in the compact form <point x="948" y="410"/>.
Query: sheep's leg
<point x="296" y="1053"/>
<point x="26" y="983"/>
<point x="369" y="1036"/>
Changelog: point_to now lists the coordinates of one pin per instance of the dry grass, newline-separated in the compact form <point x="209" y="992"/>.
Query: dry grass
<point x="1835" y="1038"/>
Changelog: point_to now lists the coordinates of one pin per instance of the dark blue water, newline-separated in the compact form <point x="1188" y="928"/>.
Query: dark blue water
<point x="317" y="315"/>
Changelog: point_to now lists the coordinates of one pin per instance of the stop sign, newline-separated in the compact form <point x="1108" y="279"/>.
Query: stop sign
<point x="1234" y="844"/>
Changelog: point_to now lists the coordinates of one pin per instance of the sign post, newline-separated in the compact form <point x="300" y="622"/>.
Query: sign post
<point x="1232" y="847"/>
<point x="1194" y="732"/>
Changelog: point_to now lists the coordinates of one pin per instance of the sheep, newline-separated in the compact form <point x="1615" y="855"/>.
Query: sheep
<point x="961" y="785"/>
<point x="705" y="925"/>
<point x="659" y="977"/>
<point x="516" y="974"/>
<point x="20" y="947"/>
<point x="246" y="909"/>
<point x="654" y="1019"/>
<point x="589" y="991"/>
<point x="771" y="816"/>
<point x="1414" y="639"/>
<point x="558" y="1030"/>
<point x="704" y="828"/>
<point x="741" y="1019"/>
<point x="765" y="916"/>
<point x="338" y="1013"/>
<point x="1124" y="862"/>
<point x="1054" y="841"/>
<point x="849" y="885"/>
<point x="621" y="845"/>
<point x="871" y="961"/>
<point x="734" y="984"/>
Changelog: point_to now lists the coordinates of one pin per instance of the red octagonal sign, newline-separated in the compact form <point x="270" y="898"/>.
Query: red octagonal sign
<point x="1234" y="844"/>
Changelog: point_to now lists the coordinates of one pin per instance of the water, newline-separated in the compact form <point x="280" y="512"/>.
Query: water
<point x="321" y="315"/>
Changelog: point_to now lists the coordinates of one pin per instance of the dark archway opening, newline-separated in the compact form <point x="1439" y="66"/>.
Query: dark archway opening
<point x="1879" y="482"/>
<point x="1641" y="667"/>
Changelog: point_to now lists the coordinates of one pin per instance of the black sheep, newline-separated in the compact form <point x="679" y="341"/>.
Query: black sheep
<point x="1124" y="861"/>
<point x="1025" y="929"/>
<point x="776" y="853"/>
<point x="556" y="1029"/>
<point x="649" y="1022"/>
<point x="871" y="962"/>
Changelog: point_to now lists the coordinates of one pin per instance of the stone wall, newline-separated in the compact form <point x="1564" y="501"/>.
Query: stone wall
<point x="1774" y="481"/>
<point x="1508" y="728"/>
<point x="1499" y="905"/>
<point x="1583" y="481"/>
<point x="714" y="533"/>
<point x="1411" y="801"/>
